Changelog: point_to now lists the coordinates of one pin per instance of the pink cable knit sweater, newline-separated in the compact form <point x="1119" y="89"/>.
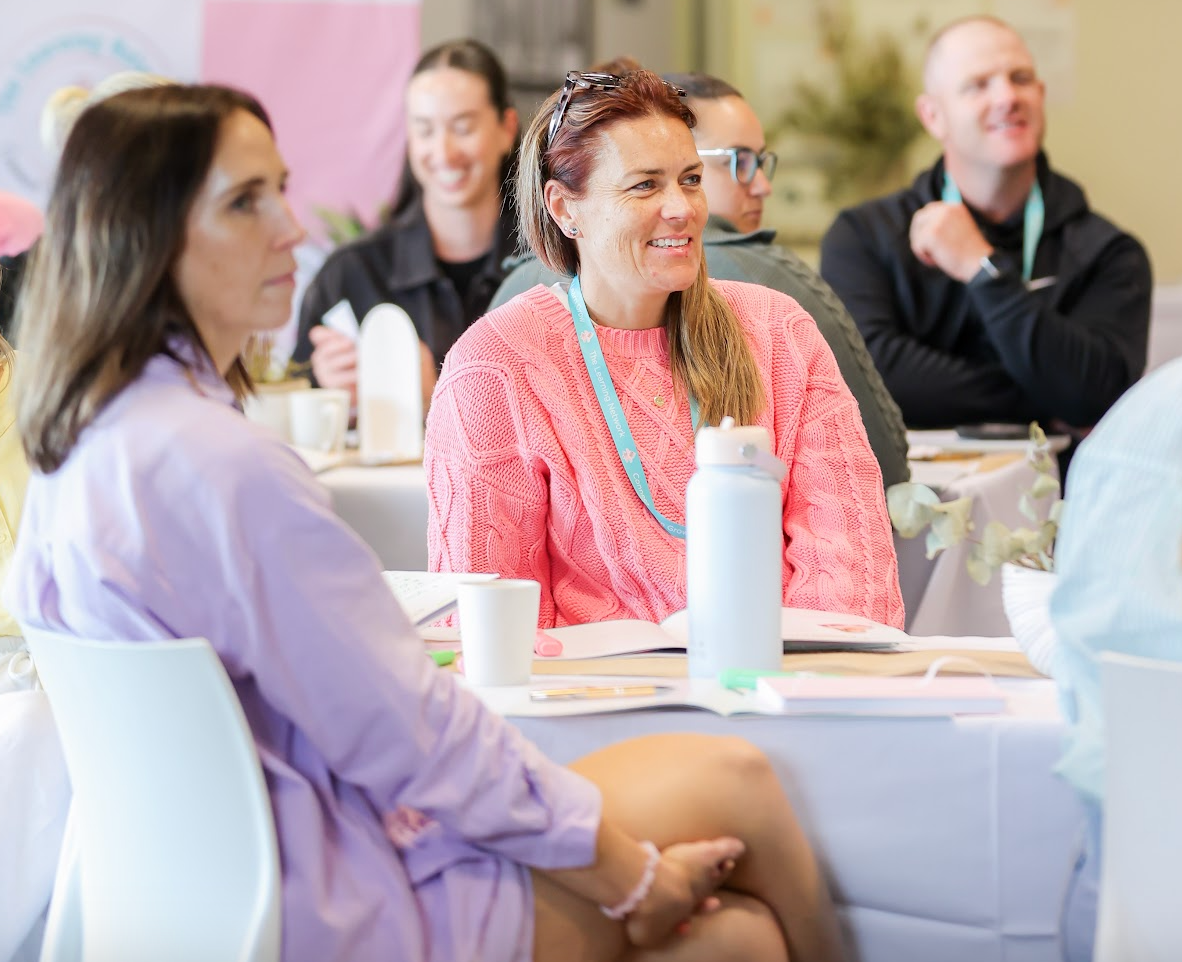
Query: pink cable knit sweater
<point x="524" y="479"/>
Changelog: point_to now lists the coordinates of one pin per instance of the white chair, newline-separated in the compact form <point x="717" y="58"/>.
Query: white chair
<point x="1140" y="913"/>
<point x="34" y="802"/>
<point x="171" y="850"/>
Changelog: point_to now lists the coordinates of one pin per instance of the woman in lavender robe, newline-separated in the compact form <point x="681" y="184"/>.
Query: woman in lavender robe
<point x="413" y="824"/>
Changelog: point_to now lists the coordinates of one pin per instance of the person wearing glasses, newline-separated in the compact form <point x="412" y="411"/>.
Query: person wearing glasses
<point x="989" y="290"/>
<point x="439" y="254"/>
<point x="526" y="479"/>
<point x="736" y="177"/>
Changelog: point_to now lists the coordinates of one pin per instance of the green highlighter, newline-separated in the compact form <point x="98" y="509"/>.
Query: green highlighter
<point x="746" y="677"/>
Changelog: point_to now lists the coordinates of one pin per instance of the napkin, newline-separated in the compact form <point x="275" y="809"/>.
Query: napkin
<point x="389" y="387"/>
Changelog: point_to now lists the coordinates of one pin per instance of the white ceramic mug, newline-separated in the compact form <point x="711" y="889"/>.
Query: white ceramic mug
<point x="319" y="418"/>
<point x="270" y="409"/>
<point x="498" y="629"/>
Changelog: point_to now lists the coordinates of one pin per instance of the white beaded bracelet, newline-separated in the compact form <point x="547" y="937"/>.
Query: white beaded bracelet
<point x="617" y="913"/>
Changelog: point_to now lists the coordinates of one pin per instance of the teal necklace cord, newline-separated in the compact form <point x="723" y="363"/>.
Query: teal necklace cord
<point x="613" y="413"/>
<point x="1032" y="221"/>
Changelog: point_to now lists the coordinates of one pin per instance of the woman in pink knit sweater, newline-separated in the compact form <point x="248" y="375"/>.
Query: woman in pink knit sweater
<point x="543" y="402"/>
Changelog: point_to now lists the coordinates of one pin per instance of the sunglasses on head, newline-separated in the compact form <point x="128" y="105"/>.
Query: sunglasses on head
<point x="577" y="80"/>
<point x="745" y="162"/>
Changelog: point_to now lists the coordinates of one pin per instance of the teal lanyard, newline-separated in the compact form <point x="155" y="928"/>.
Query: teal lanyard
<point x="609" y="405"/>
<point x="1031" y="224"/>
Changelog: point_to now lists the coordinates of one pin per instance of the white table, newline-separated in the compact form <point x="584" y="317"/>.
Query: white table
<point x="940" y="597"/>
<point x="944" y="839"/>
<point x="945" y="600"/>
<point x="34" y="800"/>
<point x="949" y="440"/>
<point x="387" y="507"/>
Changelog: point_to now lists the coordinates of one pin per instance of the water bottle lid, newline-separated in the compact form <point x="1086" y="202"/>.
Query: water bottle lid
<point x="725" y="444"/>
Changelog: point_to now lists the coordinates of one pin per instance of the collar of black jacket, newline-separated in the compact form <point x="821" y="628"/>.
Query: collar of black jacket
<point x="412" y="259"/>
<point x="1064" y="199"/>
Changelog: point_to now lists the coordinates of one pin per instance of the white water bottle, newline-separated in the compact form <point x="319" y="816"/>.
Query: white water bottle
<point x="734" y="546"/>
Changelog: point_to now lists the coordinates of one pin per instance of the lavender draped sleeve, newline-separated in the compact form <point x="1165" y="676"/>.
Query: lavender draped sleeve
<point x="405" y="810"/>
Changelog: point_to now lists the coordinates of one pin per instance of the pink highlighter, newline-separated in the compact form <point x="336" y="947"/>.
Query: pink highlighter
<point x="547" y="646"/>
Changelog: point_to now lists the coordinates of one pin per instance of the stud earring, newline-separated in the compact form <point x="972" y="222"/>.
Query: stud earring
<point x="572" y="232"/>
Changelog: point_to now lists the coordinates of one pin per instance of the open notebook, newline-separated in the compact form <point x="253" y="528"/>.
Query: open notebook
<point x="427" y="596"/>
<point x="671" y="693"/>
<point x="801" y="629"/>
<point x="792" y="693"/>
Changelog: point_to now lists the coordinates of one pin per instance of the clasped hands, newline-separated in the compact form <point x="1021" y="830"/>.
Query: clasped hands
<point x="945" y="236"/>
<point x="687" y="877"/>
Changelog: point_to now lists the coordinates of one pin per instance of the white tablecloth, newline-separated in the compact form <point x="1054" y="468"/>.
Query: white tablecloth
<point x="940" y="596"/>
<point x="34" y="800"/>
<point x="944" y="839"/>
<point x="387" y="507"/>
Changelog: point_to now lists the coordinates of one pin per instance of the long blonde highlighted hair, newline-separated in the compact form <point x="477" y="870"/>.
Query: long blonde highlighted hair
<point x="708" y="350"/>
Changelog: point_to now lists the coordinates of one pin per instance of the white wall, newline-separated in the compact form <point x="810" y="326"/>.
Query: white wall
<point x="655" y="32"/>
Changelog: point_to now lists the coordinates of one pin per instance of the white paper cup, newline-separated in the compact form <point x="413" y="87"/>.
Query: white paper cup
<point x="319" y="417"/>
<point x="498" y="626"/>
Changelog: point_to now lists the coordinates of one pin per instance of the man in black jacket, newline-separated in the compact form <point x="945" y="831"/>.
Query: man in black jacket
<point x="989" y="291"/>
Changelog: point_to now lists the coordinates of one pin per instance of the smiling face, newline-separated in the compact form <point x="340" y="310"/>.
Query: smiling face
<point x="639" y="219"/>
<point x="730" y="122"/>
<point x="456" y="140"/>
<point x="236" y="270"/>
<point x="983" y="100"/>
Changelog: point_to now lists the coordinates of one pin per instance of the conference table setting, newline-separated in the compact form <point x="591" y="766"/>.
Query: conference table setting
<point x="387" y="506"/>
<point x="921" y="767"/>
<point x="944" y="831"/>
<point x="942" y="837"/>
<point x="939" y="823"/>
<point x="384" y="503"/>
<point x="940" y="597"/>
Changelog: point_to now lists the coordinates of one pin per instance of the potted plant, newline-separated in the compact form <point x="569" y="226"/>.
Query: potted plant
<point x="274" y="378"/>
<point x="862" y="121"/>
<point x="1025" y="555"/>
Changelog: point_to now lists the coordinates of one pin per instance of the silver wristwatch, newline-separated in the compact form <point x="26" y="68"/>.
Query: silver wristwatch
<point x="991" y="269"/>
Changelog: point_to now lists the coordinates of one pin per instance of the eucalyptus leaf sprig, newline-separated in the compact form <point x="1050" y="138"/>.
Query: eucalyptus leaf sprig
<point x="914" y="507"/>
<point x="265" y="366"/>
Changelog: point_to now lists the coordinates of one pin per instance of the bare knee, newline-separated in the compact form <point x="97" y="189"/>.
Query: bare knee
<point x="747" y="761"/>
<point x="737" y="763"/>
<point x="674" y="788"/>
<point x="751" y="931"/>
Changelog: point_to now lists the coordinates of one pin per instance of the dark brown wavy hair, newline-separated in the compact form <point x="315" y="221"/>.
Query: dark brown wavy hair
<point x="472" y="57"/>
<point x="99" y="300"/>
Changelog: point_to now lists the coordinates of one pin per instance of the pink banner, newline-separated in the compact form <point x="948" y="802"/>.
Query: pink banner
<point x="332" y="77"/>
